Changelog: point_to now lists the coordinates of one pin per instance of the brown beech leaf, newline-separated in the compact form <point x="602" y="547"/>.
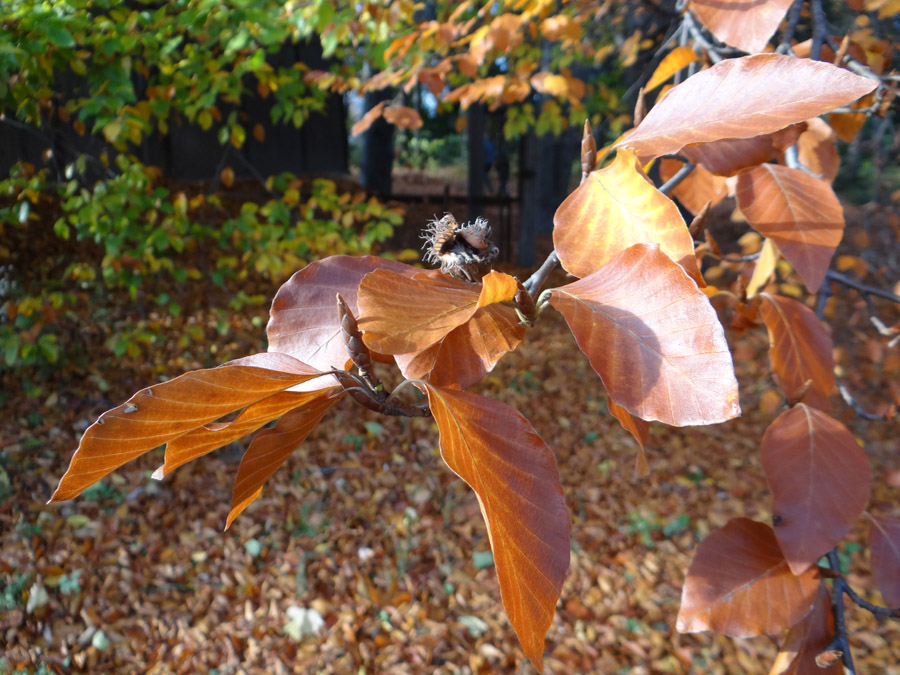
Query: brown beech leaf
<point x="209" y="437"/>
<point x="817" y="149"/>
<point x="467" y="353"/>
<point x="675" y="60"/>
<point x="497" y="287"/>
<point x="398" y="314"/>
<point x="799" y="212"/>
<point x="807" y="639"/>
<point x="740" y="585"/>
<point x="368" y="119"/>
<point x="884" y="547"/>
<point x="500" y="456"/>
<point x="403" y="117"/>
<point x="271" y="447"/>
<point x="736" y="99"/>
<point x="304" y="322"/>
<point x="616" y="207"/>
<point x="745" y="25"/>
<point x="653" y="338"/>
<point x="799" y="349"/>
<point x="697" y="190"/>
<point x="163" y="412"/>
<point x="820" y="480"/>
<point x="638" y="428"/>
<point x="726" y="158"/>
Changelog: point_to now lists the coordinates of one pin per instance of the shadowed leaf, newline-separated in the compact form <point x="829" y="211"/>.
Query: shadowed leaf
<point x="726" y="158"/>
<point x="745" y="25"/>
<point x="271" y="447"/>
<point x="800" y="350"/>
<point x="818" y="151"/>
<point x="806" y="640"/>
<point x="163" y="412"/>
<point x="884" y="547"/>
<point x="653" y="338"/>
<point x="800" y="213"/>
<point x="697" y="190"/>
<point x="638" y="428"/>
<point x="304" y="322"/>
<point x="616" y="207"/>
<point x="463" y="356"/>
<point x="512" y="471"/>
<point x="739" y="584"/>
<point x="399" y="315"/>
<point x="736" y="99"/>
<point x="820" y="479"/>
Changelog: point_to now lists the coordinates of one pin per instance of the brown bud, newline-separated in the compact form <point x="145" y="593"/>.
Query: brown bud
<point x="588" y="150"/>
<point x="525" y="304"/>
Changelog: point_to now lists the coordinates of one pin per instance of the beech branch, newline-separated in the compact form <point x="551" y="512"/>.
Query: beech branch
<point x="674" y="181"/>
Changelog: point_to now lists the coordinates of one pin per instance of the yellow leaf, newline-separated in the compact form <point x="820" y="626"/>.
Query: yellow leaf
<point x="765" y="266"/>
<point x="497" y="287"/>
<point x="674" y="61"/>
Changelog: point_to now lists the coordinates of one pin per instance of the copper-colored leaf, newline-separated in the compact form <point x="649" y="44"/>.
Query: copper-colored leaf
<point x="745" y="25"/>
<point x="304" y="321"/>
<point x="727" y="157"/>
<point x="403" y="117"/>
<point x="616" y="207"/>
<point x="800" y="213"/>
<point x="653" y="338"/>
<point x="806" y="640"/>
<point x="739" y="98"/>
<point x="163" y="412"/>
<point x="799" y="349"/>
<point x="820" y="479"/>
<point x="818" y="151"/>
<point x="227" y="176"/>
<point x="739" y="584"/>
<point x="209" y="437"/>
<point x="697" y="190"/>
<point x="884" y="548"/>
<point x="398" y="314"/>
<point x="467" y="353"/>
<point x="675" y="60"/>
<point x="497" y="287"/>
<point x="271" y="447"/>
<point x="368" y="119"/>
<point x="512" y="471"/>
<point x="638" y="428"/>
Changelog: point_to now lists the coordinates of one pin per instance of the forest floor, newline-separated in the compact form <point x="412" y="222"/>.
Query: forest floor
<point x="367" y="529"/>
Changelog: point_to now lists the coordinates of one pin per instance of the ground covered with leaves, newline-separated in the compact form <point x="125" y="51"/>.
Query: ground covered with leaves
<point x="365" y="553"/>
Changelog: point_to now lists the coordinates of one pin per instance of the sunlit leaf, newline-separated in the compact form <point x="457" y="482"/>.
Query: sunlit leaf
<point x="215" y="435"/>
<point x="398" y="314"/>
<point x="402" y="116"/>
<point x="304" y="322"/>
<point x="675" y="60"/>
<point x="800" y="350"/>
<point x="807" y="640"/>
<point x="800" y="213"/>
<point x="764" y="269"/>
<point x="736" y="98"/>
<point x="653" y="338"/>
<point x="271" y="447"/>
<point x="884" y="547"/>
<point x="468" y="352"/>
<point x="497" y="287"/>
<point x="745" y="25"/>
<point x="820" y="479"/>
<point x="739" y="584"/>
<point x="512" y="471"/>
<point x="368" y="119"/>
<point x="163" y="412"/>
<point x="616" y="207"/>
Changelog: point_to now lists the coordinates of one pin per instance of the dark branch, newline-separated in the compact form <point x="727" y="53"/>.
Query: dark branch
<point x="790" y="28"/>
<point x="840" y="641"/>
<point x="673" y="182"/>
<point x="865" y="289"/>
<point x="851" y="401"/>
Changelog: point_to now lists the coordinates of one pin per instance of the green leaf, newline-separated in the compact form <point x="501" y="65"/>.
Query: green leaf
<point x="60" y="35"/>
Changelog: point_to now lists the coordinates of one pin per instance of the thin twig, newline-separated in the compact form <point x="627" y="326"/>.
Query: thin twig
<point x="536" y="280"/>
<point x="711" y="50"/>
<point x="865" y="289"/>
<point x="851" y="401"/>
<point x="840" y="642"/>
<point x="673" y="182"/>
<point x="790" y="28"/>
<point x="820" y="29"/>
<point x="877" y="610"/>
